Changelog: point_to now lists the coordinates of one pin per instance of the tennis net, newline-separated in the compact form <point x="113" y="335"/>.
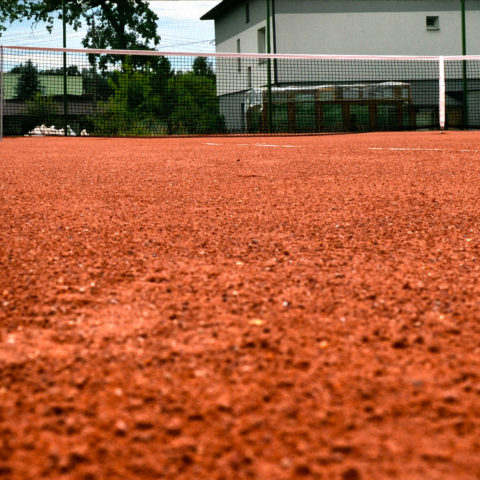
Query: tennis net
<point x="53" y="91"/>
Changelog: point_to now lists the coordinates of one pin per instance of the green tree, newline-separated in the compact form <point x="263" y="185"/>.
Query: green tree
<point x="116" y="24"/>
<point x="159" y="71"/>
<point x="202" y="67"/>
<point x="96" y="85"/>
<point x="139" y="102"/>
<point x="28" y="83"/>
<point x="72" y="71"/>
<point x="196" y="108"/>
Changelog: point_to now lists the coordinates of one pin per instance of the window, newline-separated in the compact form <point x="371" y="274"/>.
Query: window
<point x="433" y="23"/>
<point x="261" y="37"/>
<point x="249" y="77"/>
<point x="261" y="40"/>
<point x="239" y="60"/>
<point x="247" y="12"/>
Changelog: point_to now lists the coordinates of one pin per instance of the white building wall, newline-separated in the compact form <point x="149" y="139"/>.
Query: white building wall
<point x="375" y="27"/>
<point x="365" y="27"/>
<point x="230" y="28"/>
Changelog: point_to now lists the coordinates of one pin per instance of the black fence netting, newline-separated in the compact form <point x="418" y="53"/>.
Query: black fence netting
<point x="108" y="93"/>
<point x="462" y="93"/>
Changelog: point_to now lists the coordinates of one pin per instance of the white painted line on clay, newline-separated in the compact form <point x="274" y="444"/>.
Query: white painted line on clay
<point x="254" y="145"/>
<point x="275" y="146"/>
<point x="396" y="149"/>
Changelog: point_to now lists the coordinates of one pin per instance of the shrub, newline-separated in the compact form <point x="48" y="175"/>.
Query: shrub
<point x="40" y="111"/>
<point x="136" y="107"/>
<point x="196" y="109"/>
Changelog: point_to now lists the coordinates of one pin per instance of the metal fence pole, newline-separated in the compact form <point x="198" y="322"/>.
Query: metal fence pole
<point x="464" y="68"/>
<point x="1" y="93"/>
<point x="441" y="92"/>
<point x="269" y="71"/>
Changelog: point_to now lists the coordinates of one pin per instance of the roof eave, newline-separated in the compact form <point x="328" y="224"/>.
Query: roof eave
<point x="218" y="10"/>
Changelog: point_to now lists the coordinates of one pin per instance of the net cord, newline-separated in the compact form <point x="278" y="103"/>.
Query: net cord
<point x="441" y="89"/>
<point x="156" y="53"/>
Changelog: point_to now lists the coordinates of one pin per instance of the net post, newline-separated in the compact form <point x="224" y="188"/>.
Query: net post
<point x="269" y="71"/>
<point x="65" y="106"/>
<point x="1" y="93"/>
<point x="441" y="90"/>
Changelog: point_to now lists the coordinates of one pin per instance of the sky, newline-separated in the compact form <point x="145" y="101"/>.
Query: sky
<point x="179" y="23"/>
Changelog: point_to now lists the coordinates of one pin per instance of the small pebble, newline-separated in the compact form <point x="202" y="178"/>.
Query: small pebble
<point x="174" y="427"/>
<point x="450" y="396"/>
<point x="256" y="321"/>
<point x="400" y="343"/>
<point x="120" y="428"/>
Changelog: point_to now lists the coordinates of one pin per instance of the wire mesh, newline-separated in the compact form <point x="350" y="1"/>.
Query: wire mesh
<point x="463" y="93"/>
<point x="1" y="93"/>
<point x="142" y="93"/>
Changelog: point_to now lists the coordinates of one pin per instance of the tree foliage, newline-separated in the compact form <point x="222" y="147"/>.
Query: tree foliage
<point x="132" y="100"/>
<point x="28" y="85"/>
<point x="72" y="71"/>
<point x="116" y="24"/>
<point x="195" y="107"/>
<point x="154" y="100"/>
<point x="139" y="101"/>
<point x="201" y="67"/>
<point x="11" y="10"/>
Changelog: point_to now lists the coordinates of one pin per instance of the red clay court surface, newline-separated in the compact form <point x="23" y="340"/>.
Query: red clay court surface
<point x="240" y="308"/>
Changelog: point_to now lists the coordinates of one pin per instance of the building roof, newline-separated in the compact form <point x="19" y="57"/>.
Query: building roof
<point x="215" y="12"/>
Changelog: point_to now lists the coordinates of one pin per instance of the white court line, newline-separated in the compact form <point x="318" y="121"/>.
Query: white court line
<point x="255" y="145"/>
<point x="392" y="149"/>
<point x="278" y="146"/>
<point x="395" y="149"/>
<point x="409" y="149"/>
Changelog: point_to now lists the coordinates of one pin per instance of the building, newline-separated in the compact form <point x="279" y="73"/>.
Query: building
<point x="365" y="27"/>
<point x="346" y="27"/>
